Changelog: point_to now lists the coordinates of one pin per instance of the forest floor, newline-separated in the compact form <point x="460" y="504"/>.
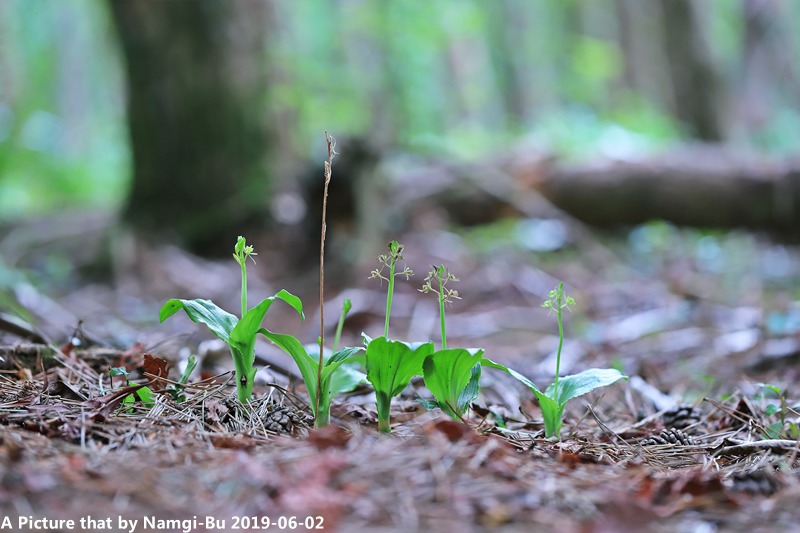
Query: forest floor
<point x="693" y="441"/>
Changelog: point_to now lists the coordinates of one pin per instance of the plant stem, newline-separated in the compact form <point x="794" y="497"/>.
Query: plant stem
<point x="243" y="264"/>
<point x="345" y="308"/>
<point x="384" y="403"/>
<point x="559" y="293"/>
<point x="439" y="276"/>
<point x="389" y="295"/>
<point x="331" y="153"/>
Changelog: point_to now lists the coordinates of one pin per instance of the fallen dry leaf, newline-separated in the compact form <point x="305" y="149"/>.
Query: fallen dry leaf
<point x="155" y="368"/>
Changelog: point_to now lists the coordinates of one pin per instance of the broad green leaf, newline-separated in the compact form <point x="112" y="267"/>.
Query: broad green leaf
<point x="570" y="387"/>
<point x="552" y="412"/>
<point x="146" y="395"/>
<point x="243" y="340"/>
<point x="219" y="321"/>
<point x="451" y="377"/>
<point x="511" y="372"/>
<point x="332" y="362"/>
<point x="346" y="379"/>
<point x="390" y="366"/>
<point x="292" y="300"/>
<point x="336" y="361"/>
<point x="244" y="333"/>
<point x="307" y="365"/>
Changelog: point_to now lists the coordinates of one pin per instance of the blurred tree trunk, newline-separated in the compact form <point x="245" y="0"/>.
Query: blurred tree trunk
<point x="644" y="69"/>
<point x="770" y="79"/>
<point x="696" y="86"/>
<point x="506" y="27"/>
<point x="195" y="77"/>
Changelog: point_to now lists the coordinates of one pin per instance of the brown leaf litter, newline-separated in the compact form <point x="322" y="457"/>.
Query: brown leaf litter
<point x="71" y="447"/>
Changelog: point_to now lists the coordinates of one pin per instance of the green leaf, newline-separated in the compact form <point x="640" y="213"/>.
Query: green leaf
<point x="771" y="409"/>
<point x="219" y="321"/>
<point x="570" y="387"/>
<point x="191" y="364"/>
<point x="307" y="365"/>
<point x="118" y="371"/>
<point x="511" y="372"/>
<point x="335" y="361"/>
<point x="146" y="395"/>
<point x="452" y="377"/>
<point x="292" y="300"/>
<point x="245" y="331"/>
<point x="346" y="379"/>
<point x="333" y="367"/>
<point x="341" y="356"/>
<point x="430" y="405"/>
<point x="390" y="366"/>
<point x="243" y="340"/>
<point x="472" y="389"/>
<point x="773" y="431"/>
<point x="552" y="412"/>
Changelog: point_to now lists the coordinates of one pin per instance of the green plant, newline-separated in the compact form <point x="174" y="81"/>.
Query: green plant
<point x="238" y="333"/>
<point x="554" y="399"/>
<point x="143" y="392"/>
<point x="391" y="364"/>
<point x="315" y="377"/>
<point x="557" y="301"/>
<point x="783" y="427"/>
<point x="452" y="375"/>
<point x="346" y="306"/>
<point x="332" y="377"/>
<point x="176" y="390"/>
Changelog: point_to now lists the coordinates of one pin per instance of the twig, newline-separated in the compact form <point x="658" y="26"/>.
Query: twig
<point x="778" y="445"/>
<point x="331" y="142"/>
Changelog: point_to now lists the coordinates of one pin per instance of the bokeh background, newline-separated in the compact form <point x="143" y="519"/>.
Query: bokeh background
<point x="455" y="79"/>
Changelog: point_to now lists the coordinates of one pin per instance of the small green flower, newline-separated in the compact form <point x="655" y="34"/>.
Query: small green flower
<point x="390" y="260"/>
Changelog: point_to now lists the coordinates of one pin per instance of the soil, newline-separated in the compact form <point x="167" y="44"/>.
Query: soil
<point x="691" y="442"/>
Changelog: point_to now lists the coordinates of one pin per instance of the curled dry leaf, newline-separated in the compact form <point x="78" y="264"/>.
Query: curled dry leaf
<point x="155" y="368"/>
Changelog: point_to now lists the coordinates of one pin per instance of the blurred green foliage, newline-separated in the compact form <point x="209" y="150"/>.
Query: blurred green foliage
<point x="62" y="132"/>
<point x="460" y="78"/>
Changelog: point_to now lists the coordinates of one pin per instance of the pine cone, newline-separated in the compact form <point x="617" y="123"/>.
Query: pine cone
<point x="669" y="436"/>
<point x="284" y="419"/>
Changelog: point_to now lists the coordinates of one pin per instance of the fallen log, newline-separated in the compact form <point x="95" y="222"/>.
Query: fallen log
<point x="709" y="187"/>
